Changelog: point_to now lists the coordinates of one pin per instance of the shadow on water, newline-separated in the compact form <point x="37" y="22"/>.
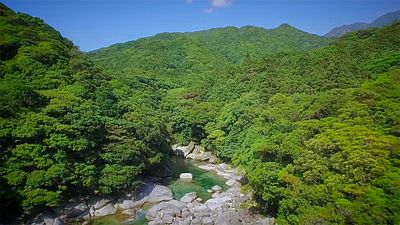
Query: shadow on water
<point x="202" y="180"/>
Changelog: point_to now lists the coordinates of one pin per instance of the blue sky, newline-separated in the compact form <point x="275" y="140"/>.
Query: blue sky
<point x="93" y="24"/>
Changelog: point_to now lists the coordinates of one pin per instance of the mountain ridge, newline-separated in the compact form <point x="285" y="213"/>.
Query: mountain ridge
<point x="386" y="19"/>
<point x="221" y="45"/>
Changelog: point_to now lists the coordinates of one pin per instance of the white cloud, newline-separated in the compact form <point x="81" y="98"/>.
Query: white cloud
<point x="221" y="3"/>
<point x="208" y="10"/>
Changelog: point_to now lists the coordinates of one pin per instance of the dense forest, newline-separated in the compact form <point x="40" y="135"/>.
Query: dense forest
<point x="314" y="122"/>
<point x="66" y="128"/>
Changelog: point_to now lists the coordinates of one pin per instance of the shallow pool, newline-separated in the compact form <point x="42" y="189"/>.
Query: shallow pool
<point x="202" y="180"/>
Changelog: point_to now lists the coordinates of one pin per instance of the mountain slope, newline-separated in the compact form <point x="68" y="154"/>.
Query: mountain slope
<point x="66" y="128"/>
<point x="381" y="21"/>
<point x="168" y="53"/>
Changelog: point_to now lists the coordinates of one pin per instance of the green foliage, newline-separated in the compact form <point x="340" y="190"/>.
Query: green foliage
<point x="66" y="128"/>
<point x="315" y="123"/>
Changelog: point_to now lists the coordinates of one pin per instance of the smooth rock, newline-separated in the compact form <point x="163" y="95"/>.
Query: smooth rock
<point x="207" y="221"/>
<point x="176" y="203"/>
<point x="201" y="156"/>
<point x="232" y="182"/>
<point x="189" y="197"/>
<point x="213" y="159"/>
<point x="100" y="203"/>
<point x="207" y="167"/>
<point x="129" y="212"/>
<point x="106" y="210"/>
<point x="128" y="204"/>
<point x="187" y="177"/>
<point x="215" y="203"/>
<point x="48" y="219"/>
<point x="228" y="218"/>
<point x="209" y="191"/>
<point x="58" y="221"/>
<point x="184" y="151"/>
<point x="167" y="219"/>
<point x="216" y="188"/>
<point x="160" y="193"/>
<point x="163" y="208"/>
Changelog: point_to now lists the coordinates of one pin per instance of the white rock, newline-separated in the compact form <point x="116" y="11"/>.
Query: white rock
<point x="187" y="177"/>
<point x="106" y="210"/>
<point x="129" y="204"/>
<point x="101" y="203"/>
<point x="160" y="193"/>
<point x="215" y="203"/>
<point x="207" y="167"/>
<point x="207" y="221"/>
<point x="232" y="182"/>
<point x="216" y="188"/>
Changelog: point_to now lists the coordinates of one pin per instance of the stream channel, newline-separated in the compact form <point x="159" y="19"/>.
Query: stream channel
<point x="202" y="181"/>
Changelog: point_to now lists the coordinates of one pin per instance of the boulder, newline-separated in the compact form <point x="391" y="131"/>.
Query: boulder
<point x="58" y="221"/>
<point x="129" y="204"/>
<point x="216" y="188"/>
<point x="129" y="212"/>
<point x="48" y="219"/>
<point x="207" y="167"/>
<point x="207" y="221"/>
<point x="160" y="193"/>
<point x="184" y="151"/>
<point x="215" y="203"/>
<point x="167" y="219"/>
<point x="106" y="210"/>
<point x="161" y="209"/>
<point x="176" y="203"/>
<point x="187" y="177"/>
<point x="228" y="218"/>
<point x="189" y="197"/>
<point x="100" y="203"/>
<point x="191" y="146"/>
<point x="200" y="156"/>
<point x="213" y="159"/>
<point x="232" y="182"/>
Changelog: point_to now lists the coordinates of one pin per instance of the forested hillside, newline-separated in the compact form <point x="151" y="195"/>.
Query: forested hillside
<point x="316" y="131"/>
<point x="66" y="128"/>
<point x="170" y="53"/>
<point x="314" y="122"/>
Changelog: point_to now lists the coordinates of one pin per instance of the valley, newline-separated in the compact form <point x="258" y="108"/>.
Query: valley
<point x="312" y="122"/>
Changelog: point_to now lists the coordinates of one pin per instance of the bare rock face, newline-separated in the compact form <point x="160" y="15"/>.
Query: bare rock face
<point x="187" y="177"/>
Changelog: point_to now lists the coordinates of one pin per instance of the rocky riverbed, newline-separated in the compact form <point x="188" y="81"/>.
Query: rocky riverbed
<point x="156" y="204"/>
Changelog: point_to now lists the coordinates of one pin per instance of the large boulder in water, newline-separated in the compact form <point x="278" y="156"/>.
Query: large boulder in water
<point x="187" y="177"/>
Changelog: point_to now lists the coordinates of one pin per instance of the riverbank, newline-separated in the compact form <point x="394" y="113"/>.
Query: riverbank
<point x="212" y="197"/>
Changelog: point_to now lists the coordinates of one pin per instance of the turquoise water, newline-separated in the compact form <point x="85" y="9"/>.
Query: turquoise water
<point x="202" y="180"/>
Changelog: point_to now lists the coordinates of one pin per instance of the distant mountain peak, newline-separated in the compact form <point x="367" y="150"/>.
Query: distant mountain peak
<point x="386" y="19"/>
